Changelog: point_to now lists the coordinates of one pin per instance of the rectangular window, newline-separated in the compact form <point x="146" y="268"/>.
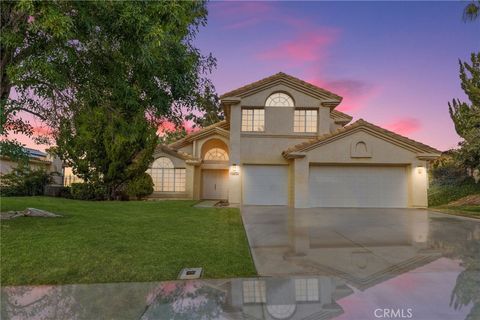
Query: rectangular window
<point x="306" y="289"/>
<point x="254" y="291"/>
<point x="253" y="119"/>
<point x="305" y="121"/>
<point x="168" y="179"/>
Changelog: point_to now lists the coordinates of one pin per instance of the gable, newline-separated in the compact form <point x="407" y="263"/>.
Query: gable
<point x="373" y="137"/>
<point x="220" y="128"/>
<point x="282" y="82"/>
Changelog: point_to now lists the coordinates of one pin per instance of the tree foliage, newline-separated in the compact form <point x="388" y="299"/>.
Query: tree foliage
<point x="471" y="11"/>
<point x="25" y="181"/>
<point x="466" y="116"/>
<point x="107" y="148"/>
<point x="101" y="75"/>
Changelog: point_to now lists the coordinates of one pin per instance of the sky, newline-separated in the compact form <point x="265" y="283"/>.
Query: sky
<point x="394" y="63"/>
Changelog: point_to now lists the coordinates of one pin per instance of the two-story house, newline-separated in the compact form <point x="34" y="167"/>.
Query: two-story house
<point x="283" y="143"/>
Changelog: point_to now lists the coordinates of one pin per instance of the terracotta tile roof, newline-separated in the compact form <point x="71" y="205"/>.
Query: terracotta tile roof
<point x="283" y="77"/>
<point x="173" y="152"/>
<point x="340" y="117"/>
<point x="305" y="146"/>
<point x="190" y="137"/>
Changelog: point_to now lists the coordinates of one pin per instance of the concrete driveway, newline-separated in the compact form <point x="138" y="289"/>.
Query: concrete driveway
<point x="360" y="245"/>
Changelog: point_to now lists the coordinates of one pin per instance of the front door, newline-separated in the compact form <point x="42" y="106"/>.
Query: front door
<point x="215" y="184"/>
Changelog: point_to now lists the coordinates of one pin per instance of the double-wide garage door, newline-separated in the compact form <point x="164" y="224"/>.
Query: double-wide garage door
<point x="357" y="186"/>
<point x="265" y="185"/>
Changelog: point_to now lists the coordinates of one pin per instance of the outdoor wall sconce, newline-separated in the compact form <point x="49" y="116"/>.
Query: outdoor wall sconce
<point x="234" y="170"/>
<point x="419" y="169"/>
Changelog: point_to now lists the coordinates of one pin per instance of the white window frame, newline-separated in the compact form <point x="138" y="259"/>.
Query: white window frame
<point x="254" y="291"/>
<point x="306" y="290"/>
<point x="305" y="120"/>
<point x="210" y="155"/>
<point x="279" y="99"/>
<point x="253" y="120"/>
<point x="167" y="178"/>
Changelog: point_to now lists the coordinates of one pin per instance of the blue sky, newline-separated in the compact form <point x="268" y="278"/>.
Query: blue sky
<point x="395" y="63"/>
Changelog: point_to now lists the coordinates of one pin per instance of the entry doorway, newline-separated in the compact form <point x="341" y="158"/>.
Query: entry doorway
<point x="215" y="184"/>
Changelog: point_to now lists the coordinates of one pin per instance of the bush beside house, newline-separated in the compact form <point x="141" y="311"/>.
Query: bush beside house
<point x="450" y="181"/>
<point x="25" y="181"/>
<point x="140" y="187"/>
<point x="88" y="191"/>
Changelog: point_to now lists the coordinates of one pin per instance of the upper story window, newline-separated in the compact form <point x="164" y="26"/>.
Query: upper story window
<point x="279" y="99"/>
<point x="305" y="121"/>
<point x="253" y="119"/>
<point x="306" y="289"/>
<point x="216" y="154"/>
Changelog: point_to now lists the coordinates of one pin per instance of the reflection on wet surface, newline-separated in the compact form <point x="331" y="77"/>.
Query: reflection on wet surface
<point x="314" y="265"/>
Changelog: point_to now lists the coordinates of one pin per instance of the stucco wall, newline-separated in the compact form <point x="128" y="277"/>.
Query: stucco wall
<point x="382" y="152"/>
<point x="339" y="151"/>
<point x="262" y="149"/>
<point x="300" y="99"/>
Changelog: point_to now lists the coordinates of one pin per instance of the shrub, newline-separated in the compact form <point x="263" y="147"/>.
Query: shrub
<point x="443" y="194"/>
<point x="65" y="192"/>
<point x="140" y="187"/>
<point x="446" y="171"/>
<point x="88" y="191"/>
<point x="25" y="181"/>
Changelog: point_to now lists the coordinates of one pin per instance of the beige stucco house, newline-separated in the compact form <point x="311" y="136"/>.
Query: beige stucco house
<point x="283" y="143"/>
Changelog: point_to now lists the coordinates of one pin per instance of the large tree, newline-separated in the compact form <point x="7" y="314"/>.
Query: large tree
<point x="466" y="116"/>
<point x="68" y="59"/>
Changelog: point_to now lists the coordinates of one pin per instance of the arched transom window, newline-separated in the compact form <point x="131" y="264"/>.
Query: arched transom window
<point x="279" y="99"/>
<point x="216" y="154"/>
<point x="167" y="178"/>
<point x="162" y="162"/>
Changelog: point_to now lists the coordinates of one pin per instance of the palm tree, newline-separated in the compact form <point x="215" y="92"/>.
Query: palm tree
<point x="472" y="11"/>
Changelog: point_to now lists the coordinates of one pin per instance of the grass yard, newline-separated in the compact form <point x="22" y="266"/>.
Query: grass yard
<point x="114" y="241"/>
<point x="466" y="211"/>
<point x="449" y="198"/>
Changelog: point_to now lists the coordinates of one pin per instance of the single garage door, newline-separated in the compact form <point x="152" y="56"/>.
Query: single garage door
<point x="357" y="186"/>
<point x="265" y="185"/>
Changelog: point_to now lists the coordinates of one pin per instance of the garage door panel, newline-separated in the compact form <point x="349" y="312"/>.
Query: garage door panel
<point x="357" y="186"/>
<point x="265" y="185"/>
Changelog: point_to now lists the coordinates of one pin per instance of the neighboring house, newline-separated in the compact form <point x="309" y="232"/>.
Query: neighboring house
<point x="36" y="160"/>
<point x="283" y="143"/>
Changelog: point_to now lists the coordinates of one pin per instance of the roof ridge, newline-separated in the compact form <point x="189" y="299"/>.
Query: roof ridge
<point x="202" y="130"/>
<point x="280" y="75"/>
<point x="360" y="122"/>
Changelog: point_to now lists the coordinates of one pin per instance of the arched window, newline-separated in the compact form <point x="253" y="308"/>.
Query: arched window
<point x="167" y="178"/>
<point x="162" y="162"/>
<point x="279" y="99"/>
<point x="216" y="154"/>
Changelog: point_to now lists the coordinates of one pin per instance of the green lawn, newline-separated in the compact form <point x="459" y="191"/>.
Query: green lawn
<point x="466" y="211"/>
<point x="120" y="241"/>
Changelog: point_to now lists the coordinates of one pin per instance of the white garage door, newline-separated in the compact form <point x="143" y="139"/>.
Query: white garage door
<point x="381" y="187"/>
<point x="265" y="185"/>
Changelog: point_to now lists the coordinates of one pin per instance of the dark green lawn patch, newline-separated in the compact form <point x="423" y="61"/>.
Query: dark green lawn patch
<point x="120" y="241"/>
<point x="465" y="211"/>
<point x="442" y="194"/>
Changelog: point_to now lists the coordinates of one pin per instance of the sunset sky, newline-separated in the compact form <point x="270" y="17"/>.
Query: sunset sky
<point x="395" y="63"/>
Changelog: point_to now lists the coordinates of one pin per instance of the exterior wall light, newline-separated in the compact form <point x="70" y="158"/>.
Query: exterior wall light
<point x="234" y="171"/>
<point x="419" y="169"/>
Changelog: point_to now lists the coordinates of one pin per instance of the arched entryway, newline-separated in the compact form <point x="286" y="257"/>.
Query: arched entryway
<point x="215" y="170"/>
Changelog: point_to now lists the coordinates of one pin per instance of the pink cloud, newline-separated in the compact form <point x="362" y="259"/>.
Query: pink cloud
<point x="307" y="47"/>
<point x="355" y="93"/>
<point x="404" y="125"/>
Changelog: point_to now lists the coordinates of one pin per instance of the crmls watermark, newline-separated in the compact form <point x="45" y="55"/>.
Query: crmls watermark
<point x="392" y="313"/>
